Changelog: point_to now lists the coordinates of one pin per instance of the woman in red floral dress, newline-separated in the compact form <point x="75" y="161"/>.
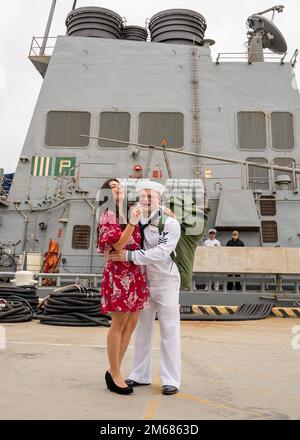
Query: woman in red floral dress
<point x="124" y="290"/>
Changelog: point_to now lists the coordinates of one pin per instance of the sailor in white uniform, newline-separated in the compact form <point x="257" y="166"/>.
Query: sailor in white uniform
<point x="164" y="284"/>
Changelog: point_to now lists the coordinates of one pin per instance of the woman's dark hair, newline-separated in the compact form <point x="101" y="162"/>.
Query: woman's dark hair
<point x="108" y="202"/>
<point x="107" y="199"/>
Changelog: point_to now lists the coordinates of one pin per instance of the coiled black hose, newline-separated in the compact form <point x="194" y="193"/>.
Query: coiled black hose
<point x="28" y="293"/>
<point x="73" y="306"/>
<point x="15" y="311"/>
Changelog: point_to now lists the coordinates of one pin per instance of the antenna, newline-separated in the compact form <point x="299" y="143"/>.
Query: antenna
<point x="49" y="23"/>
<point x="278" y="9"/>
<point x="263" y="34"/>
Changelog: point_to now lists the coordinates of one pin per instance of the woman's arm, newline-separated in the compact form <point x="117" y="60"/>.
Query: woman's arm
<point x="135" y="216"/>
<point x="125" y="237"/>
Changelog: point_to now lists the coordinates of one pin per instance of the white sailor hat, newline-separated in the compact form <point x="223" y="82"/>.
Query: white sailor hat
<point x="150" y="184"/>
<point x="212" y="231"/>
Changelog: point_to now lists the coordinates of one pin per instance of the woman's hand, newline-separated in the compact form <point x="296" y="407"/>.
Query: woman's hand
<point x="135" y="214"/>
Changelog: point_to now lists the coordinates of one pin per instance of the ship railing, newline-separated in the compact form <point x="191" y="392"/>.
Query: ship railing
<point x="242" y="175"/>
<point x="81" y="175"/>
<point x="3" y="193"/>
<point x="245" y="56"/>
<point x="265" y="284"/>
<point x="61" y="279"/>
<point x="39" y="47"/>
<point x="295" y="58"/>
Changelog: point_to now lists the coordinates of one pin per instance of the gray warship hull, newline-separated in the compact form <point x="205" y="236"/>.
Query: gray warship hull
<point x="148" y="93"/>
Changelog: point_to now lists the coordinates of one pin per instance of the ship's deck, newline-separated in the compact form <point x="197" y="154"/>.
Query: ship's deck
<point x="240" y="370"/>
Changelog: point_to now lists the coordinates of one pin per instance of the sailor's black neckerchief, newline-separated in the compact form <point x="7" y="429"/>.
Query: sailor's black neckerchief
<point x="152" y="219"/>
<point x="157" y="214"/>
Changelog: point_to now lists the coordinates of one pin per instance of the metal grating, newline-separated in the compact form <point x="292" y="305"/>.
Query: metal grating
<point x="134" y="33"/>
<point x="81" y="237"/>
<point x="258" y="177"/>
<point x="252" y="131"/>
<point x="154" y="128"/>
<point x="93" y="21"/>
<point x="178" y="26"/>
<point x="63" y="129"/>
<point x="114" y="125"/>
<point x="268" y="206"/>
<point x="282" y="131"/>
<point x="269" y="232"/>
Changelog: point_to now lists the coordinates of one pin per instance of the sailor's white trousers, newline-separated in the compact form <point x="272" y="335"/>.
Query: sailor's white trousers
<point x="164" y="300"/>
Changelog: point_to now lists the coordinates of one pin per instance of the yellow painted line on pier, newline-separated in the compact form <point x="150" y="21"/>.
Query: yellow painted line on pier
<point x="205" y="402"/>
<point x="153" y="404"/>
<point x="151" y="409"/>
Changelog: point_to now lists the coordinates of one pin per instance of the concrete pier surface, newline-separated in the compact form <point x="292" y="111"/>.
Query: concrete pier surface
<point x="230" y="370"/>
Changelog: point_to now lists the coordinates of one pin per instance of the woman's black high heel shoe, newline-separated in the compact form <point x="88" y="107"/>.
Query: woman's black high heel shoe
<point x="108" y="380"/>
<point x="114" y="388"/>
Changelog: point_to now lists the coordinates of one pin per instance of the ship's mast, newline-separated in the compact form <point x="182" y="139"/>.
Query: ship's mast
<point x="49" y="23"/>
<point x="48" y="27"/>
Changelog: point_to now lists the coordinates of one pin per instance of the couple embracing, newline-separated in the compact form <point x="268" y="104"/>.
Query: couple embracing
<point x="140" y="280"/>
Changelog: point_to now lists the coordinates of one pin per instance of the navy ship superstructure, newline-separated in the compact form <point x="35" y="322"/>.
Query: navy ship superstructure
<point x="155" y="86"/>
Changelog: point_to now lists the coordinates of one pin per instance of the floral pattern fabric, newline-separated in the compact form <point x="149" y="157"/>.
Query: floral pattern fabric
<point x="124" y="287"/>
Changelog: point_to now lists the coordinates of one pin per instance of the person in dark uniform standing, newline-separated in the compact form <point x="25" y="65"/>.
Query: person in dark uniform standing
<point x="235" y="241"/>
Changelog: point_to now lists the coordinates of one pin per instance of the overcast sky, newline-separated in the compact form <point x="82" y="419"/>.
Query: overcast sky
<point x="20" y="83"/>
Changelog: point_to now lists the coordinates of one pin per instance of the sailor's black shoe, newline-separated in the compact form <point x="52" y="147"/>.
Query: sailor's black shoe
<point x="133" y="383"/>
<point x="169" y="390"/>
